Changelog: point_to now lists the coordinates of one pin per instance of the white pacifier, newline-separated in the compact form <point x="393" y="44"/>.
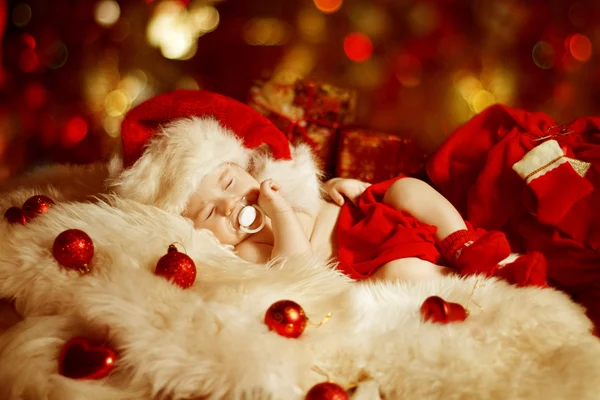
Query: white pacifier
<point x="248" y="218"/>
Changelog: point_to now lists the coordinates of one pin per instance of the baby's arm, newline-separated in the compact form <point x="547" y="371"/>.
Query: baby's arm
<point x="289" y="236"/>
<point x="338" y="188"/>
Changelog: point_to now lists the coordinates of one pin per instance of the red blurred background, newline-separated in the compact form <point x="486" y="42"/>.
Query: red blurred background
<point x="71" y="69"/>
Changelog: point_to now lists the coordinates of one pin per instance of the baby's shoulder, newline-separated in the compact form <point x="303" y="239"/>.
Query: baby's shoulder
<point x="253" y="251"/>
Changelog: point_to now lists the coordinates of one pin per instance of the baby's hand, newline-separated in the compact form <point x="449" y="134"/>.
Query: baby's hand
<point x="270" y="200"/>
<point x="337" y="188"/>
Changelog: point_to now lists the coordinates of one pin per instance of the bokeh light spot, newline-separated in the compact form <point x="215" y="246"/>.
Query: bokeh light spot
<point x="328" y="6"/>
<point x="423" y="18"/>
<point x="367" y="75"/>
<point x="543" y="55"/>
<point x="116" y="103"/>
<point x="112" y="125"/>
<point x="408" y="70"/>
<point x="580" y="47"/>
<point x="21" y="14"/>
<point x="205" y="18"/>
<point x="265" y="32"/>
<point x="467" y="85"/>
<point x="58" y="55"/>
<point x="29" y="41"/>
<point x="482" y="100"/>
<point x="311" y="24"/>
<point x="107" y="12"/>
<point x="75" y="131"/>
<point x="28" y="60"/>
<point x="358" y="47"/>
<point x="35" y="95"/>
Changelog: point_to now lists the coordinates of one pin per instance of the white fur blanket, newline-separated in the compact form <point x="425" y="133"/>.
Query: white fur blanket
<point x="210" y="342"/>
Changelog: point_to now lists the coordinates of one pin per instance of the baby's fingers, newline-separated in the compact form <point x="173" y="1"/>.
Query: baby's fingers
<point x="337" y="197"/>
<point x="269" y="185"/>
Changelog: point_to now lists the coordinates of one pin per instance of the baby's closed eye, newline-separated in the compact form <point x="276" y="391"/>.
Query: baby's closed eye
<point x="229" y="183"/>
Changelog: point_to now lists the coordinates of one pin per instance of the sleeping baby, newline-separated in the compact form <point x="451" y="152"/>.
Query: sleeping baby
<point x="202" y="155"/>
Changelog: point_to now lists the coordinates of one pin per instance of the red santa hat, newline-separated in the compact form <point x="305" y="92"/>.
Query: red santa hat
<point x="170" y="142"/>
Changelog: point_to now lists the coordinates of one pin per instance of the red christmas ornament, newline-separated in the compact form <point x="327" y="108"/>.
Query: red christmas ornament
<point x="287" y="318"/>
<point x="36" y="205"/>
<point x="327" y="391"/>
<point x="437" y="310"/>
<point x="177" y="267"/>
<point x="14" y="215"/>
<point x="74" y="249"/>
<point x="80" y="360"/>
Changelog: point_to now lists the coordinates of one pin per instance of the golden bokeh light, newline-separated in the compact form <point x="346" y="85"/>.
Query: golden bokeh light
<point x="468" y="86"/>
<point x="265" y="32"/>
<point x="107" y="12"/>
<point x="299" y="61"/>
<point x="132" y="84"/>
<point x="187" y="82"/>
<point x="112" y="125"/>
<point x="312" y="25"/>
<point x="370" y="19"/>
<point x="116" y="103"/>
<point x="204" y="18"/>
<point x="482" y="100"/>
<point x="423" y="18"/>
<point x="175" y="29"/>
<point x="366" y="75"/>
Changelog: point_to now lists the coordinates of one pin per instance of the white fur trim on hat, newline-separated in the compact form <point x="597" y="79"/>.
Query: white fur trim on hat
<point x="298" y="178"/>
<point x="175" y="161"/>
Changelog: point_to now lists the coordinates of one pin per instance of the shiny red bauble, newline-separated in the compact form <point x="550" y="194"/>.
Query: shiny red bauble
<point x="437" y="310"/>
<point x="327" y="391"/>
<point x="74" y="249"/>
<point x="36" y="205"/>
<point x="177" y="267"/>
<point x="14" y="215"/>
<point x="287" y="318"/>
<point x="79" y="359"/>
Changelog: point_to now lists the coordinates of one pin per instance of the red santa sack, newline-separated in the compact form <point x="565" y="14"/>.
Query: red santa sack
<point x="522" y="173"/>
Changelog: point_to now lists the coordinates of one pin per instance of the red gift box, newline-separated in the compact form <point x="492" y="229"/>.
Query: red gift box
<point x="374" y="156"/>
<point x="307" y="113"/>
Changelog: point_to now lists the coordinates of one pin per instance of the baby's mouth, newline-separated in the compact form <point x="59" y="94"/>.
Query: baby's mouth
<point x="237" y="210"/>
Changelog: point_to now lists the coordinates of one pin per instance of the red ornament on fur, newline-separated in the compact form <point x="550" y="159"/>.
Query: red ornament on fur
<point x="327" y="391"/>
<point x="287" y="318"/>
<point x="177" y="267"/>
<point x="14" y="215"/>
<point x="74" y="249"/>
<point x="80" y="360"/>
<point x="36" y="205"/>
<point x="437" y="310"/>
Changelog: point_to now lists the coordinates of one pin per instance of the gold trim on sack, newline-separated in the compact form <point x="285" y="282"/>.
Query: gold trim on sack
<point x="581" y="167"/>
<point x="543" y="167"/>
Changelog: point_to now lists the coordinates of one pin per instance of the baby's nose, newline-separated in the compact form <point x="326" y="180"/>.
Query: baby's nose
<point x="228" y="205"/>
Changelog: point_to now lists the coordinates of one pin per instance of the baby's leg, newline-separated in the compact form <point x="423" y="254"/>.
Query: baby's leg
<point x="425" y="204"/>
<point x="468" y="251"/>
<point x="409" y="269"/>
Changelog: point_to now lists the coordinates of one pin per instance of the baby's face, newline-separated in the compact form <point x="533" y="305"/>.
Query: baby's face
<point x="217" y="201"/>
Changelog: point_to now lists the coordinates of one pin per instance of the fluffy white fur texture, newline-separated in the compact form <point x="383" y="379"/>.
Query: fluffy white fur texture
<point x="177" y="158"/>
<point x="174" y="162"/>
<point x="209" y="341"/>
<point x="299" y="178"/>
